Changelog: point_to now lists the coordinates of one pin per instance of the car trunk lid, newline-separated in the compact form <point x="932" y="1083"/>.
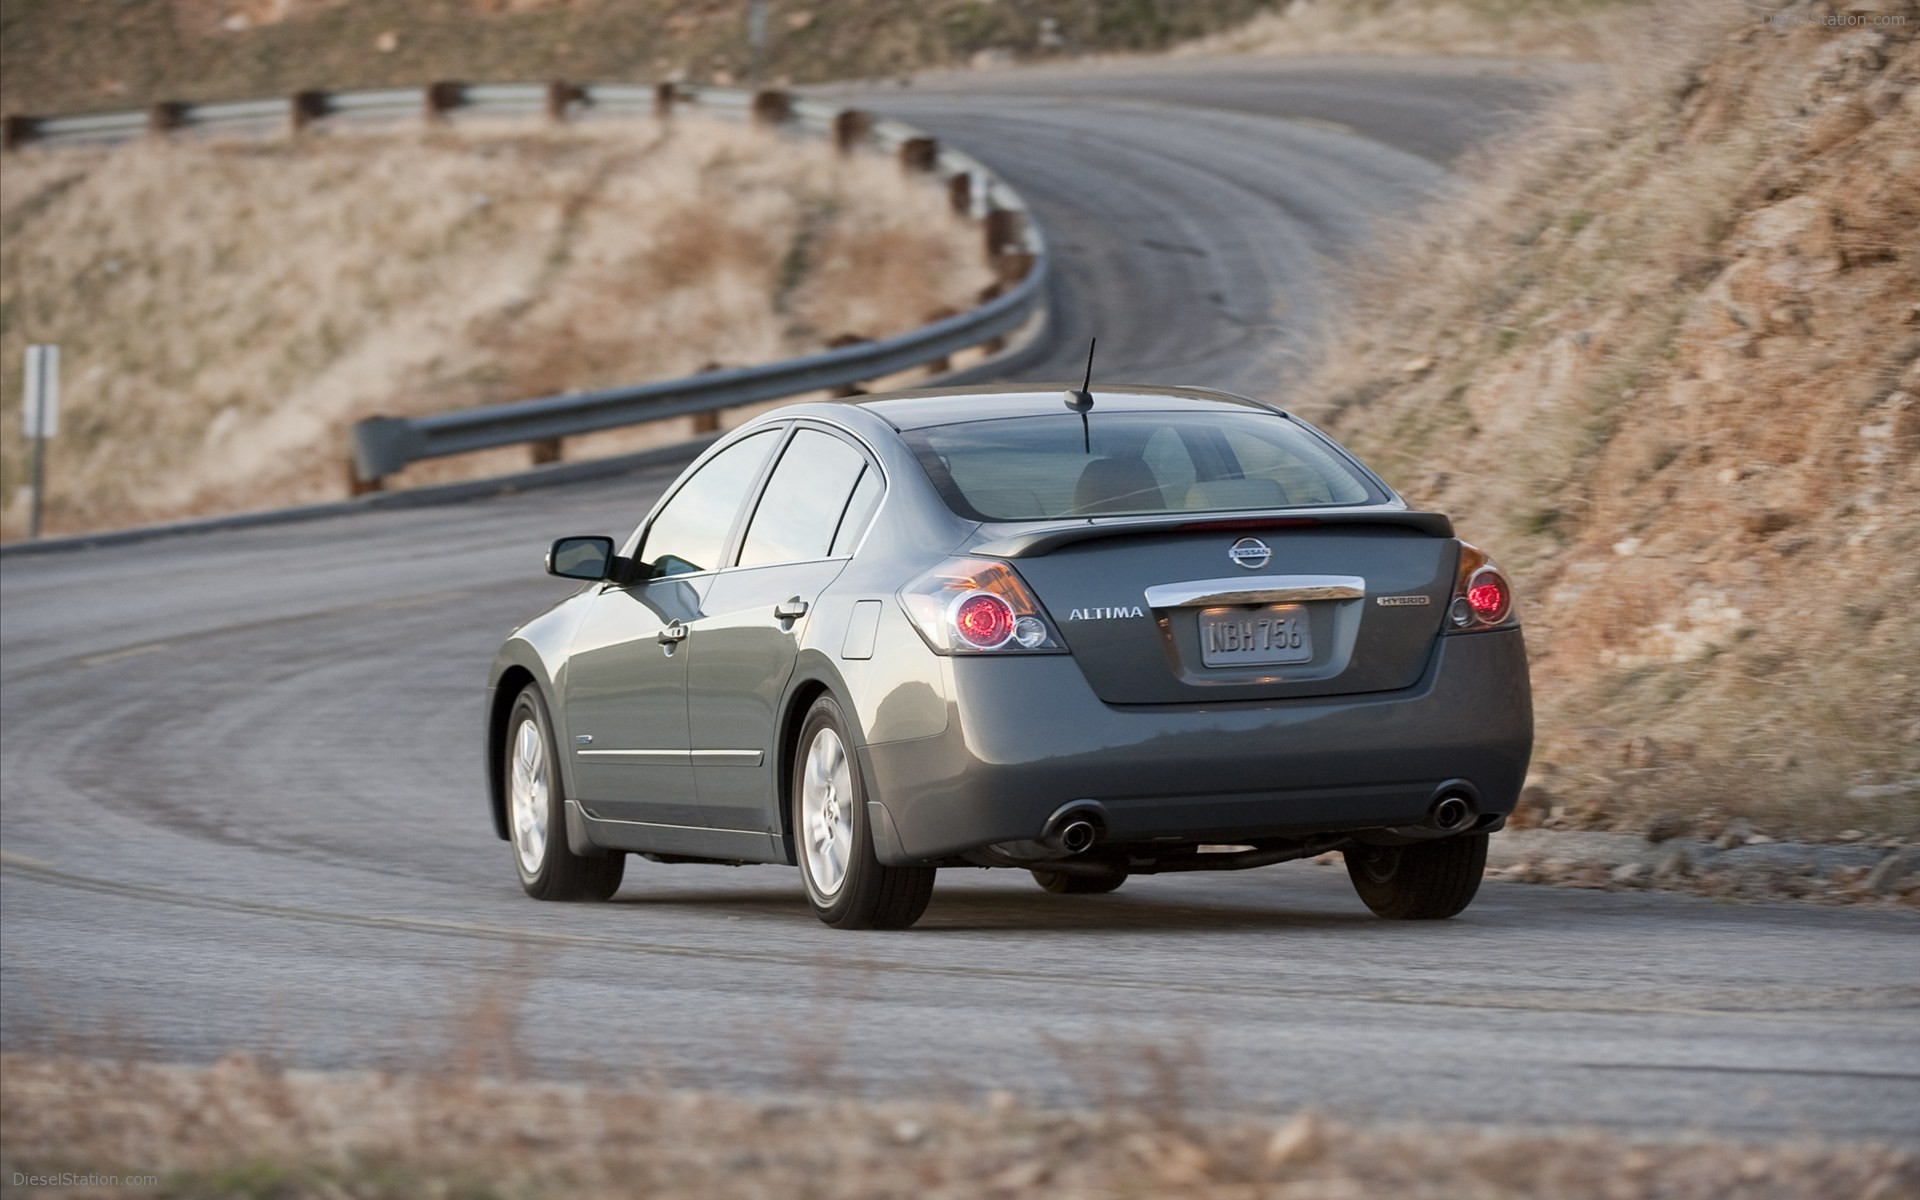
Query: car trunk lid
<point x="1185" y="612"/>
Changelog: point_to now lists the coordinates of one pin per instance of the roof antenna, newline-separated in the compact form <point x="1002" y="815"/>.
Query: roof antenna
<point x="1082" y="400"/>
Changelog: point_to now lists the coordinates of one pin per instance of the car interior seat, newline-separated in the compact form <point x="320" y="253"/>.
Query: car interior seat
<point x="1117" y="485"/>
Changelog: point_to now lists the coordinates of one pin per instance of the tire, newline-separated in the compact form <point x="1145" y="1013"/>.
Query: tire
<point x="536" y="813"/>
<point x="1426" y="881"/>
<point x="846" y="885"/>
<point x="1073" y="883"/>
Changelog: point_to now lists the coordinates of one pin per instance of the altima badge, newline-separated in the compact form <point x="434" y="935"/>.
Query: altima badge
<point x="1251" y="553"/>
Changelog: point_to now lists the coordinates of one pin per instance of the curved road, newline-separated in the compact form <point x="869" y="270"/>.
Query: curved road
<point x="240" y="801"/>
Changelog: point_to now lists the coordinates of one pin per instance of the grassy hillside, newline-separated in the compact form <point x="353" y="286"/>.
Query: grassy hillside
<point x="75" y="55"/>
<point x="1663" y="359"/>
<point x="227" y="308"/>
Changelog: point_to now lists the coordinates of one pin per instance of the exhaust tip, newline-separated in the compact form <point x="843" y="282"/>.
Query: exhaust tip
<point x="1077" y="836"/>
<point x="1452" y="813"/>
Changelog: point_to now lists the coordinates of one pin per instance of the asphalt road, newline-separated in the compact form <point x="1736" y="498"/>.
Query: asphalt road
<point x="240" y="803"/>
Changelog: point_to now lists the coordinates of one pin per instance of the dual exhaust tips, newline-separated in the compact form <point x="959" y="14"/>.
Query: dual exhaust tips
<point x="1071" y="832"/>
<point x="1452" y="814"/>
<point x="1076" y="836"/>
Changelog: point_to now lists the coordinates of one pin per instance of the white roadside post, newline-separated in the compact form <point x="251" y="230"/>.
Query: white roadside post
<point x="40" y="419"/>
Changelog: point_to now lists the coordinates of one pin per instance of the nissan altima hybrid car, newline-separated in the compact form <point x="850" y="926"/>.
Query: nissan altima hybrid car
<point x="1087" y="635"/>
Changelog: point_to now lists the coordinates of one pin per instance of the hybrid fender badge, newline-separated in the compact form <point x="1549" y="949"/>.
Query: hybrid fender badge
<point x="1400" y="601"/>
<point x="1250" y="552"/>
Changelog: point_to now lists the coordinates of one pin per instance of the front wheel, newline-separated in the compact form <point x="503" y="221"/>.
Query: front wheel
<point x="1426" y="881"/>
<point x="847" y="886"/>
<point x="536" y="813"/>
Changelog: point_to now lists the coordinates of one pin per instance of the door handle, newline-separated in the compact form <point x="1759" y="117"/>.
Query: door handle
<point x="792" y="610"/>
<point x="675" y="632"/>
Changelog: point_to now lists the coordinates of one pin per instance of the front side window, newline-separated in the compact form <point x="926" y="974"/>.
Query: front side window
<point x="1134" y="464"/>
<point x="803" y="502"/>
<point x="690" y="534"/>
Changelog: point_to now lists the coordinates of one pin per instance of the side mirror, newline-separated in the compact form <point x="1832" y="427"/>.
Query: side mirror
<point x="588" y="558"/>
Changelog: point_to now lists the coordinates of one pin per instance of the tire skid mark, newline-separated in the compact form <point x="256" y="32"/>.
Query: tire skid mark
<point x="61" y="666"/>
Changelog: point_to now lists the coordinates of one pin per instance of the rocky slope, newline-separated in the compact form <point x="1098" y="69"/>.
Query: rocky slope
<point x="1662" y="358"/>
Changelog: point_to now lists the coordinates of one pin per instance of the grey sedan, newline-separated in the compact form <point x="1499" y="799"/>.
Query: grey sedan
<point x="1140" y="631"/>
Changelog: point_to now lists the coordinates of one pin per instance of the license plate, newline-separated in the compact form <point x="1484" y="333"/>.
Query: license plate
<point x="1255" y="637"/>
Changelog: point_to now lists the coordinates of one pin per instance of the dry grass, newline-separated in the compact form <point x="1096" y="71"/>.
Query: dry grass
<point x="61" y="56"/>
<point x="1662" y="358"/>
<point x="1557" y="29"/>
<point x="228" y="308"/>
<point x="244" y="1128"/>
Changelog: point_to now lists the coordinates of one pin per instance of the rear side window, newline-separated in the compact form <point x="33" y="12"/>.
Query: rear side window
<point x="1031" y="468"/>
<point x="804" y="500"/>
<point x="690" y="534"/>
<point x="853" y="523"/>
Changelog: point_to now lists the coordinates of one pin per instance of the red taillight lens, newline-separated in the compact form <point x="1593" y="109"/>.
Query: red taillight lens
<point x="1482" y="597"/>
<point x="976" y="605"/>
<point x="1488" y="597"/>
<point x="984" y="620"/>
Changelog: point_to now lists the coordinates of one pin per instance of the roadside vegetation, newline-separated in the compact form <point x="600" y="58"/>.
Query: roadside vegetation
<point x="246" y="1128"/>
<point x="227" y="308"/>
<point x="1661" y="353"/>
<point x="62" y="56"/>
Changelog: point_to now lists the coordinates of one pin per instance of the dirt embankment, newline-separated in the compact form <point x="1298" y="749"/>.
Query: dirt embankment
<point x="1662" y="358"/>
<point x="242" y="1128"/>
<point x="66" y="56"/>
<point x="228" y="308"/>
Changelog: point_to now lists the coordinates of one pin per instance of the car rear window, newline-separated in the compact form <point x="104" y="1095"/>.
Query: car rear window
<point x="1031" y="468"/>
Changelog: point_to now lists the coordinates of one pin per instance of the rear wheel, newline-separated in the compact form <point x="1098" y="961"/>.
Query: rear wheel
<point x="536" y="813"/>
<point x="1426" y="881"/>
<point x="847" y="886"/>
<point x="1076" y="883"/>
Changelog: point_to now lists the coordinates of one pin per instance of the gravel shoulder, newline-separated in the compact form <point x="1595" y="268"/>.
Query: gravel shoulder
<point x="1736" y="865"/>
<point x="244" y="1127"/>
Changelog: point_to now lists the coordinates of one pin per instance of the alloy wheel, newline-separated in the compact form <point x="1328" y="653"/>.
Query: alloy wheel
<point x="826" y="796"/>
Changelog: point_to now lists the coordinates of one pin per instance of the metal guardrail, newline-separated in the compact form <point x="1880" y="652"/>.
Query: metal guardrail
<point x="382" y="446"/>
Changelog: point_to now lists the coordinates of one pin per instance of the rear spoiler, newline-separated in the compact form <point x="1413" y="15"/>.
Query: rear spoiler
<point x="1032" y="543"/>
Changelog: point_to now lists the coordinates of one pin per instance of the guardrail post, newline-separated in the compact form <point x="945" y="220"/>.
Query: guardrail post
<point x="850" y="128"/>
<point x="304" y="108"/>
<point x="665" y="96"/>
<point x="846" y="390"/>
<point x="943" y="364"/>
<point x="545" y="450"/>
<point x="165" y="116"/>
<point x="919" y="154"/>
<point x="444" y="96"/>
<point x="17" y="130"/>
<point x="561" y="96"/>
<point x="709" y="421"/>
<point x="1003" y="232"/>
<point x="771" y="108"/>
<point x="382" y="446"/>
<point x="960" y="192"/>
<point x="998" y="342"/>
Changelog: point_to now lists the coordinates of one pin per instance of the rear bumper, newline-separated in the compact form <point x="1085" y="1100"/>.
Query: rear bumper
<point x="1026" y="736"/>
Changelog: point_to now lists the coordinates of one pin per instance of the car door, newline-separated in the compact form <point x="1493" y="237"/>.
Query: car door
<point x="818" y="498"/>
<point x="626" y="681"/>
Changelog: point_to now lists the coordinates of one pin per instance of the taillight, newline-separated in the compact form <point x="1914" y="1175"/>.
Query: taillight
<point x="978" y="606"/>
<point x="1482" y="597"/>
<point x="983" y="620"/>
